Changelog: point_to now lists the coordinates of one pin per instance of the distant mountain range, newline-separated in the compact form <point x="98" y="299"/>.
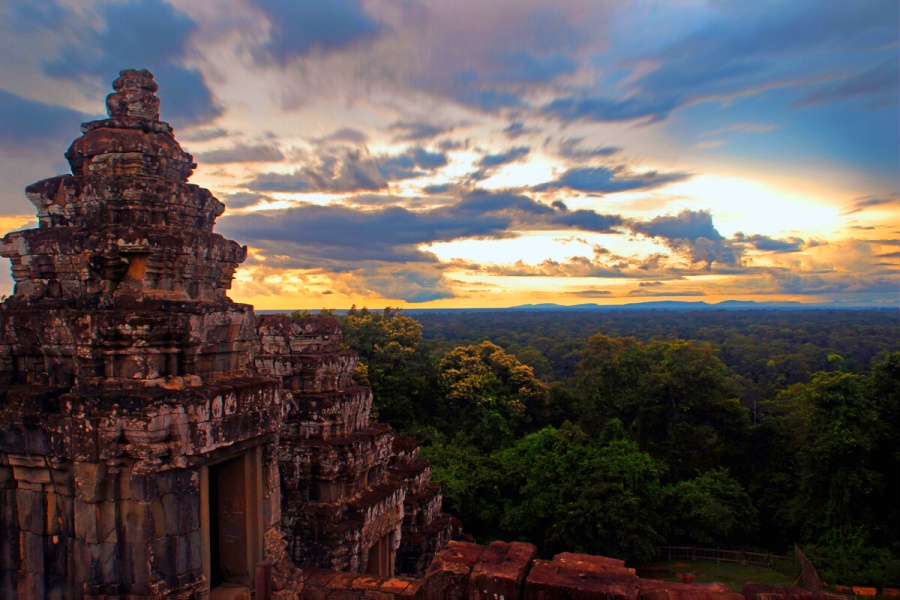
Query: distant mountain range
<point x="668" y="305"/>
<point x="681" y="305"/>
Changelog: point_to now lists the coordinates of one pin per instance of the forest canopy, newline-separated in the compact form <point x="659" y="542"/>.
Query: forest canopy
<point x="617" y="432"/>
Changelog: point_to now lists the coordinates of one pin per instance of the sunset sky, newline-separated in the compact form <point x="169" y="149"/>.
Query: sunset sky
<point x="491" y="153"/>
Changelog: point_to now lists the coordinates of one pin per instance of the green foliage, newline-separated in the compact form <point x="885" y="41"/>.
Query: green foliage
<point x="709" y="510"/>
<point x="488" y="395"/>
<point x="675" y="398"/>
<point x="845" y="557"/>
<point x="572" y="492"/>
<point x="395" y="364"/>
<point x="650" y="437"/>
<point x="839" y="456"/>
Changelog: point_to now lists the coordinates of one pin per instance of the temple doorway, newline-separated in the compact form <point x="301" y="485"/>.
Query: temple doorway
<point x="231" y="519"/>
<point x="380" y="561"/>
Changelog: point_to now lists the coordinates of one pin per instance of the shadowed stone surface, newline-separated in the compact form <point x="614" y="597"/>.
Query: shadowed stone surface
<point x="124" y="369"/>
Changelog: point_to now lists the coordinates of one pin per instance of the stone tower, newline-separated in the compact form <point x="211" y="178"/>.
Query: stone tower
<point x="137" y="451"/>
<point x="355" y="495"/>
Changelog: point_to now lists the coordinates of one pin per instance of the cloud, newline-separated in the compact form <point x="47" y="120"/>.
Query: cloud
<point x="791" y="282"/>
<point x="339" y="172"/>
<point x="299" y="27"/>
<point x="606" y="109"/>
<point x="693" y="233"/>
<point x="345" y="134"/>
<point x="142" y="34"/>
<point x="317" y="234"/>
<point x="569" y="149"/>
<point x="768" y="244"/>
<point x="441" y="188"/>
<point x="517" y="129"/>
<point x="345" y="170"/>
<point x="865" y="202"/>
<point x="511" y="155"/>
<point x="589" y="293"/>
<point x="413" y="283"/>
<point x="203" y="134"/>
<point x="242" y="154"/>
<point x="606" y="180"/>
<point x="243" y="200"/>
<point x="642" y="292"/>
<point x="529" y="67"/>
<point x="743" y="49"/>
<point x="413" y="163"/>
<point x="416" y="131"/>
<point x="24" y="121"/>
<point x="879" y="84"/>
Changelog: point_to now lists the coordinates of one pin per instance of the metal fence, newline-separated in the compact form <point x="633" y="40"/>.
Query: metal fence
<point x="743" y="557"/>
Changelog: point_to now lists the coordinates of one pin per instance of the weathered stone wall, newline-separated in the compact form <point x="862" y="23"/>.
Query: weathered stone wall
<point x="125" y="372"/>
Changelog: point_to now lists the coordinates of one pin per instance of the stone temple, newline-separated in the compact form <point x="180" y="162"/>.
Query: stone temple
<point x="158" y="440"/>
<point x="153" y="433"/>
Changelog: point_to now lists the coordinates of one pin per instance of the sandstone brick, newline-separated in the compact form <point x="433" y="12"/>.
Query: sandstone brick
<point x="500" y="571"/>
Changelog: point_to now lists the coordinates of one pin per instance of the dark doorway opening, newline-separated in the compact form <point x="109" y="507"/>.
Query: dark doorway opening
<point x="228" y="523"/>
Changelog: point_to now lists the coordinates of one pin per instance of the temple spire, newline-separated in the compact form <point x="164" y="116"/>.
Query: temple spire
<point x="135" y="96"/>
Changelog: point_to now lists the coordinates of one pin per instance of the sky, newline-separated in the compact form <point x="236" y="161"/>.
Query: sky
<point x="438" y="154"/>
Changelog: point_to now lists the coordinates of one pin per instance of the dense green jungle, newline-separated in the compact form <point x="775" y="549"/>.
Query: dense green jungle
<point x="616" y="432"/>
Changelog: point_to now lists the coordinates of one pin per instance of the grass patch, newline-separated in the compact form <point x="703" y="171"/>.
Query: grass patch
<point x="733" y="575"/>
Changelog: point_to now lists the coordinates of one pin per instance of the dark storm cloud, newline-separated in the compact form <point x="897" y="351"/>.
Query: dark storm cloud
<point x="142" y="34"/>
<point x="692" y="233"/>
<point x="606" y="180"/>
<point x="768" y="244"/>
<point x="299" y="27"/>
<point x="241" y="154"/>
<point x="24" y="121"/>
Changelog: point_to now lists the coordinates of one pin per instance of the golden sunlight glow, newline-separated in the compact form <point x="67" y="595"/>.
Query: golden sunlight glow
<point x="754" y="206"/>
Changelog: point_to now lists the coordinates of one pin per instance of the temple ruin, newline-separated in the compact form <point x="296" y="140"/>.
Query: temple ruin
<point x="158" y="440"/>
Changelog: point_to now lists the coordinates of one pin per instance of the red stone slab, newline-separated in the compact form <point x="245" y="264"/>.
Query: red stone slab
<point x="500" y="572"/>
<point x="593" y="564"/>
<point x="652" y="589"/>
<point x="550" y="580"/>
<point x="448" y="576"/>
